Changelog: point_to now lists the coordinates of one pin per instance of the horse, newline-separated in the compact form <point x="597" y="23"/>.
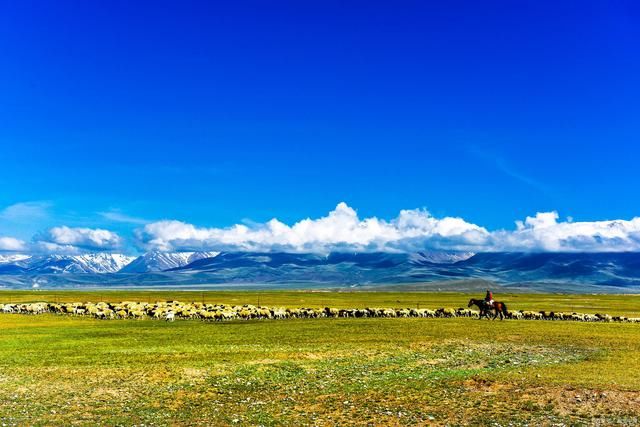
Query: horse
<point x="499" y="308"/>
<point x="482" y="305"/>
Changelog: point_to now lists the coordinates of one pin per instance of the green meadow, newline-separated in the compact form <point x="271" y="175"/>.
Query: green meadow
<point x="64" y="370"/>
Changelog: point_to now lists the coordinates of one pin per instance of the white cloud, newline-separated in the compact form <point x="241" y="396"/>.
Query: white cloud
<point x="340" y="230"/>
<point x="68" y="239"/>
<point x="411" y="230"/>
<point x="25" y="211"/>
<point x="117" y="216"/>
<point x="12" y="244"/>
<point x="543" y="232"/>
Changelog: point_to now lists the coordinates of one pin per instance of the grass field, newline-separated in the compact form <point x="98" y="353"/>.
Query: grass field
<point x="65" y="370"/>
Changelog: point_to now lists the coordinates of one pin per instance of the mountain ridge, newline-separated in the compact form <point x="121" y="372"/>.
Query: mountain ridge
<point x="98" y="262"/>
<point x="160" y="261"/>
<point x="586" y="271"/>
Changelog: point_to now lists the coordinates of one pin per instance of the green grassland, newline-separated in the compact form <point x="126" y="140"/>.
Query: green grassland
<point x="63" y="370"/>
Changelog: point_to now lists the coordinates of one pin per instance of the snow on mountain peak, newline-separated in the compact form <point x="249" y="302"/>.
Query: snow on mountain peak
<point x="439" y="257"/>
<point x="160" y="261"/>
<point x="11" y="258"/>
<point x="102" y="262"/>
<point x="85" y="263"/>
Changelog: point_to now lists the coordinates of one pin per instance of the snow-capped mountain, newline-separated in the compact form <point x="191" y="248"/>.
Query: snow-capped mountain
<point x="97" y="263"/>
<point x="13" y="258"/>
<point x="576" y="272"/>
<point x="85" y="263"/>
<point x="161" y="261"/>
<point x="439" y="257"/>
<point x="103" y="262"/>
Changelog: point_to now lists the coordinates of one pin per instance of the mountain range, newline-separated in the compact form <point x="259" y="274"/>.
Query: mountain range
<point x="97" y="263"/>
<point x="587" y="272"/>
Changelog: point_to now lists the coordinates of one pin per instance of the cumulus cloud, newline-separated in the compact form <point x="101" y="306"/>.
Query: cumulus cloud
<point x="69" y="239"/>
<point x="544" y="233"/>
<point x="12" y="244"/>
<point x="412" y="230"/>
<point x="340" y="230"/>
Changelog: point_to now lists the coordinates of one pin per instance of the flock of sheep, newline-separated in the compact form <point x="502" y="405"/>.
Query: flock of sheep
<point x="171" y="310"/>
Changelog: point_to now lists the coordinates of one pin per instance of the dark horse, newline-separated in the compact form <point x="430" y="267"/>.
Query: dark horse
<point x="499" y="308"/>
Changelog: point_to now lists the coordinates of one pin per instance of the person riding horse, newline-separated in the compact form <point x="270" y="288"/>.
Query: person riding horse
<point x="487" y="305"/>
<point x="488" y="299"/>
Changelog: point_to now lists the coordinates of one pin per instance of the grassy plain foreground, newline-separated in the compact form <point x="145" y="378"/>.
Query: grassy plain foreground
<point x="63" y="370"/>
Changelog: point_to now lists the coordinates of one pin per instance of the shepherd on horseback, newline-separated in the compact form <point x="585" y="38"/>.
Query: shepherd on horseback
<point x="488" y="299"/>
<point x="488" y="304"/>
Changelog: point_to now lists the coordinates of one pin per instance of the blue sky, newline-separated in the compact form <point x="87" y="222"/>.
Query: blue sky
<point x="114" y="115"/>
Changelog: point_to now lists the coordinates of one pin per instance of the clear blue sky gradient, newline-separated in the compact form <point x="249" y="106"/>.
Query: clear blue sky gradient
<point x="220" y="112"/>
